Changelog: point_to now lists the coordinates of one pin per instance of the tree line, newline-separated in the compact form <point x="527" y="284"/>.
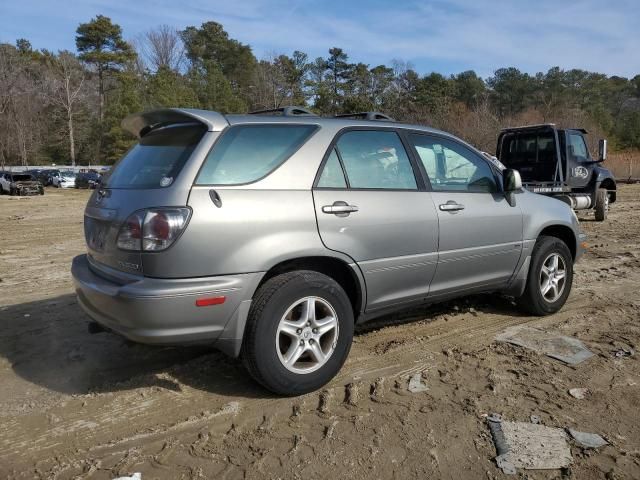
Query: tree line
<point x="66" y="107"/>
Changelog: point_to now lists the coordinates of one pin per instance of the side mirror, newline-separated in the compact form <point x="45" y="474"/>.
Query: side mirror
<point x="602" y="150"/>
<point x="511" y="183"/>
<point x="511" y="180"/>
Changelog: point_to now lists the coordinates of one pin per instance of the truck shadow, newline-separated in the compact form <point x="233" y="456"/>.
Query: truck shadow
<point x="48" y="344"/>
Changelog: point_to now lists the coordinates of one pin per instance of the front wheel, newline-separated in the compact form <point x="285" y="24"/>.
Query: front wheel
<point x="299" y="332"/>
<point x="550" y="277"/>
<point x="602" y="204"/>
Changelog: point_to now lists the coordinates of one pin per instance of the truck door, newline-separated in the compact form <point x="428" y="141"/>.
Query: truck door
<point x="578" y="160"/>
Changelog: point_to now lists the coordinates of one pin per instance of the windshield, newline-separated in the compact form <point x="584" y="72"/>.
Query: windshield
<point x="157" y="159"/>
<point x="22" y="178"/>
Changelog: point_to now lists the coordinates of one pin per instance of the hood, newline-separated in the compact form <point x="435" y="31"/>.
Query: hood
<point x="27" y="182"/>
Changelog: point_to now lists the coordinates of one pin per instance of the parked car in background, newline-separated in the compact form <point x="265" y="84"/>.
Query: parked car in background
<point x="18" y="183"/>
<point x="64" y="179"/>
<point x="87" y="180"/>
<point x="270" y="237"/>
<point x="47" y="176"/>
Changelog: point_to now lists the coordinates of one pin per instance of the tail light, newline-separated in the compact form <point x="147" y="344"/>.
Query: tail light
<point x="152" y="230"/>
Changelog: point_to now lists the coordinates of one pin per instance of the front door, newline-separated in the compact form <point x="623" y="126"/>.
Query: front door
<point x="480" y="238"/>
<point x="371" y="205"/>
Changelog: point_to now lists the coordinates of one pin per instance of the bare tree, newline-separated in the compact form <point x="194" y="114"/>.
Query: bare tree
<point x="161" y="47"/>
<point x="21" y="105"/>
<point x="65" y="87"/>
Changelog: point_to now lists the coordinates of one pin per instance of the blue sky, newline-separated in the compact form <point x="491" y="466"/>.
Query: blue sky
<point x="446" y="36"/>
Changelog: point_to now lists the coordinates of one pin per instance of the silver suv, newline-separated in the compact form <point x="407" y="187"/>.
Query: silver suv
<point x="271" y="236"/>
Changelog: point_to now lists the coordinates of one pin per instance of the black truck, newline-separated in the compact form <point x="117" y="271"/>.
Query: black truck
<point x="557" y="162"/>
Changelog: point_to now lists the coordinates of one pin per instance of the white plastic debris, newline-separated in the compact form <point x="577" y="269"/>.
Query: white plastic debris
<point x="528" y="446"/>
<point x="569" y="350"/>
<point x="579" y="393"/>
<point x="135" y="476"/>
<point x="416" y="384"/>
<point x="587" y="440"/>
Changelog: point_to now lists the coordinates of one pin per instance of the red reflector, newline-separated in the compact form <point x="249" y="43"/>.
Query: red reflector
<point x="206" y="302"/>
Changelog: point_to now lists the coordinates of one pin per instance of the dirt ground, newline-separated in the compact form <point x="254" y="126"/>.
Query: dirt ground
<point x="75" y="405"/>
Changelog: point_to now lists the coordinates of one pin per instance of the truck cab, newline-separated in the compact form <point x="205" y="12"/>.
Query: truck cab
<point x="557" y="162"/>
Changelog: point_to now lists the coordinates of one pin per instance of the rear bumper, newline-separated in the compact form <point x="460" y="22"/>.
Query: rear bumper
<point x="164" y="311"/>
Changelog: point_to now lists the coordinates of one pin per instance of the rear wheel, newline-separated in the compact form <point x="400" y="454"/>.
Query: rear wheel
<point x="298" y="333"/>
<point x="602" y="204"/>
<point x="550" y="277"/>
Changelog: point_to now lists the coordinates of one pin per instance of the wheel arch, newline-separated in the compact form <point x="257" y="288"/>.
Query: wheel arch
<point x="610" y="185"/>
<point x="564" y="233"/>
<point x="348" y="277"/>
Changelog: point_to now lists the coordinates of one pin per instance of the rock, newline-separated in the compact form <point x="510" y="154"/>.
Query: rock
<point x="587" y="440"/>
<point x="579" y="393"/>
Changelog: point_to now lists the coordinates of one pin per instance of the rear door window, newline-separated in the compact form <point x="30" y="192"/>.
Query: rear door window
<point x="157" y="159"/>
<point x="332" y="174"/>
<point x="247" y="153"/>
<point x="375" y="159"/>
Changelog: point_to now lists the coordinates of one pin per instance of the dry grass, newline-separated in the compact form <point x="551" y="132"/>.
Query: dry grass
<point x="624" y="164"/>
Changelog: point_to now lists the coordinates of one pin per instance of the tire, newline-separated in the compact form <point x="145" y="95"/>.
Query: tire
<point x="265" y="346"/>
<point x="533" y="301"/>
<point x="602" y="204"/>
<point x="12" y="192"/>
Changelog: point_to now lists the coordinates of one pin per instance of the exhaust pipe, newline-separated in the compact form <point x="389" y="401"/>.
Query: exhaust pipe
<point x="577" y="202"/>
<point x="95" y="327"/>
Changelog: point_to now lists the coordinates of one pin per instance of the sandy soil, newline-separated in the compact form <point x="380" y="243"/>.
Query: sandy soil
<point x="75" y="405"/>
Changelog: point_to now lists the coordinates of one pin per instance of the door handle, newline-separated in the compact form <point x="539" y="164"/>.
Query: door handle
<point x="340" y="208"/>
<point x="451" y="206"/>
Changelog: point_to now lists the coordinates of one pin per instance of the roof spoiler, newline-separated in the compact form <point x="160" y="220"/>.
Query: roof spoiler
<point x="139" y="124"/>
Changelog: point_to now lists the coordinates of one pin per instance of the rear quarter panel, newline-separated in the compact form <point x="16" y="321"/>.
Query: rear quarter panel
<point x="252" y="231"/>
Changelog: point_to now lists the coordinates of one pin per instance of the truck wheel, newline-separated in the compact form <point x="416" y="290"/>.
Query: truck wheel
<point x="298" y="332"/>
<point x="549" y="279"/>
<point x="602" y="204"/>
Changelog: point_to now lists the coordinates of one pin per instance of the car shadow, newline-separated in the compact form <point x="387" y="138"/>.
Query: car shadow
<point x="48" y="343"/>
<point x="490" y="303"/>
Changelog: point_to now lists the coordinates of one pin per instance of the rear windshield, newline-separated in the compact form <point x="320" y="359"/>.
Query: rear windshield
<point x="156" y="160"/>
<point x="528" y="148"/>
<point x="246" y="153"/>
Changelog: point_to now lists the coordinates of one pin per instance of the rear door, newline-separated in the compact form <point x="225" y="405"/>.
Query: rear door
<point x="480" y="234"/>
<point x="371" y="205"/>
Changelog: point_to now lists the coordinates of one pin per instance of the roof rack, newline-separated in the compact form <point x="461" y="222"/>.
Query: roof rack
<point x="366" y="116"/>
<point x="289" y="111"/>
